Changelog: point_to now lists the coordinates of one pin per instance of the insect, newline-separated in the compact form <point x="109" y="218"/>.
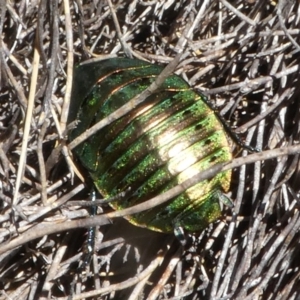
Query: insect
<point x="167" y="139"/>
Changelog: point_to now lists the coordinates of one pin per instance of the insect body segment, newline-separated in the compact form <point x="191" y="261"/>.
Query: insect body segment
<point x="170" y="137"/>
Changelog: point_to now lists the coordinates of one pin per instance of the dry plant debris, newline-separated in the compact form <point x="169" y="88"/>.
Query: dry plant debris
<point x="244" y="55"/>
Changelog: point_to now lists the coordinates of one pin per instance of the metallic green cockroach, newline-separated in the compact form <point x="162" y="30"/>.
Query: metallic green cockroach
<point x="167" y="139"/>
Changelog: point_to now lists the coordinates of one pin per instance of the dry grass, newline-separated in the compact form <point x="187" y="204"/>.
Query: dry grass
<point x="244" y="55"/>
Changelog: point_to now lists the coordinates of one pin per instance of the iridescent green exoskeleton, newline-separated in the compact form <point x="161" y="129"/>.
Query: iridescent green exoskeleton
<point x="166" y="140"/>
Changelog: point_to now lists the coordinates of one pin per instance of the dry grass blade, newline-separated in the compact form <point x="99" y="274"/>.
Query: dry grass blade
<point x="244" y="55"/>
